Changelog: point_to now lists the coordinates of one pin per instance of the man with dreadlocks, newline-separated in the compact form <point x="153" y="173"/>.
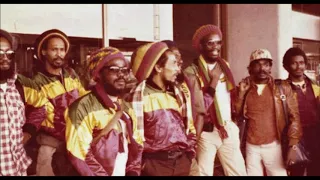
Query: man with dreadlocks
<point x="61" y="86"/>
<point x="185" y="84"/>
<point x="164" y="121"/>
<point x="98" y="133"/>
<point x="218" y="133"/>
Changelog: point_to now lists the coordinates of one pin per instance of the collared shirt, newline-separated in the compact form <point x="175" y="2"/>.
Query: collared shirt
<point x="301" y="85"/>
<point x="169" y="88"/>
<point x="13" y="158"/>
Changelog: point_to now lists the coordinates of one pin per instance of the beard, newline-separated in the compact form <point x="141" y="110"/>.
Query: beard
<point x="297" y="74"/>
<point x="7" y="74"/>
<point x="57" y="63"/>
<point x="262" y="76"/>
<point x="180" y="78"/>
<point x="112" y="90"/>
<point x="211" y="56"/>
<point x="211" y="59"/>
<point x="169" y="84"/>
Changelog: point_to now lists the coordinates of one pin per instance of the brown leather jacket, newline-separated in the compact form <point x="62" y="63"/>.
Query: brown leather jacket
<point x="294" y="131"/>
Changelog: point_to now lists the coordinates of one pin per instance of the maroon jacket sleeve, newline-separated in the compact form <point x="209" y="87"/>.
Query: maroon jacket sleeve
<point x="34" y="116"/>
<point x="37" y="106"/>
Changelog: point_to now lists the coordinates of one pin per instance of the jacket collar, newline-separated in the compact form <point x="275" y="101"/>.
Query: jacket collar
<point x="306" y="79"/>
<point x="155" y="86"/>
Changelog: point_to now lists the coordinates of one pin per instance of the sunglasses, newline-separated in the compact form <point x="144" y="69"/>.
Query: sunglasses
<point x="117" y="70"/>
<point x="213" y="43"/>
<point x="8" y="53"/>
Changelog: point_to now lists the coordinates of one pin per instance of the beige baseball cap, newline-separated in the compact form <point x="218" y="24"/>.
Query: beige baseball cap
<point x="260" y="54"/>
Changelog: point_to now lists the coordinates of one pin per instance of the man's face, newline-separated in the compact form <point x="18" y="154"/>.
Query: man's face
<point x="6" y="59"/>
<point x="260" y="69"/>
<point x="210" y="47"/>
<point x="55" y="53"/>
<point x="6" y="54"/>
<point x="114" y="76"/>
<point x="177" y="53"/>
<point x="297" y="66"/>
<point x="131" y="82"/>
<point x="171" y="69"/>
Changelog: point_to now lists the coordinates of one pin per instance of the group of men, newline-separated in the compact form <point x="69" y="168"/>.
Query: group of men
<point x="173" y="122"/>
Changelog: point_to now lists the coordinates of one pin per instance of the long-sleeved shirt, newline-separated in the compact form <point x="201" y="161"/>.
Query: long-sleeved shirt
<point x="19" y="97"/>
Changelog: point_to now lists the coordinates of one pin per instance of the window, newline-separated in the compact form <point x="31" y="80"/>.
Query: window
<point x="307" y="8"/>
<point x="312" y="50"/>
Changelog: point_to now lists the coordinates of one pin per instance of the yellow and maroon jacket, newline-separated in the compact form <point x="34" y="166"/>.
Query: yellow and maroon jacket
<point x="60" y="93"/>
<point x="165" y="128"/>
<point x="316" y="90"/>
<point x="85" y="119"/>
<point x="37" y="106"/>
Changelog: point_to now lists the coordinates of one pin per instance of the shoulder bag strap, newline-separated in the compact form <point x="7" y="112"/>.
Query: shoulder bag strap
<point x="283" y="99"/>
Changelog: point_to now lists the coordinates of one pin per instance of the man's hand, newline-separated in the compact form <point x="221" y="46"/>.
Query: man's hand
<point x="244" y="86"/>
<point x="292" y="156"/>
<point x="26" y="137"/>
<point x="199" y="125"/>
<point x="214" y="75"/>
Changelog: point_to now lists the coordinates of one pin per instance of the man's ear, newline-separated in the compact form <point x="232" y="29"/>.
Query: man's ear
<point x="249" y="70"/>
<point x="200" y="47"/>
<point x="158" y="68"/>
<point x="43" y="52"/>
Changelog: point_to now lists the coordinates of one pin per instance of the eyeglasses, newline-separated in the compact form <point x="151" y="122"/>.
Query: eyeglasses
<point x="213" y="43"/>
<point x="9" y="53"/>
<point x="117" y="70"/>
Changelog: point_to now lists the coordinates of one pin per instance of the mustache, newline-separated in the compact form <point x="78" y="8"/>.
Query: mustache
<point x="302" y="69"/>
<point x="5" y="74"/>
<point x="120" y="79"/>
<point x="58" y="58"/>
<point x="6" y="61"/>
<point x="264" y="72"/>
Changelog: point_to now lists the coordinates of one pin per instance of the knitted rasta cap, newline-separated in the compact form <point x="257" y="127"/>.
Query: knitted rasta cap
<point x="145" y="57"/>
<point x="170" y="44"/>
<point x="202" y="32"/>
<point x="47" y="35"/>
<point x="99" y="58"/>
